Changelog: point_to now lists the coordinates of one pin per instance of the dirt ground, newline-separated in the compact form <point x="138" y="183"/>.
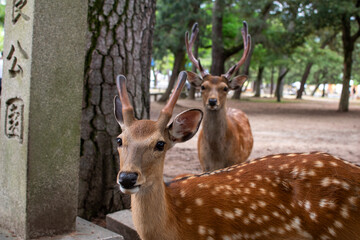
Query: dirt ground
<point x="291" y="126"/>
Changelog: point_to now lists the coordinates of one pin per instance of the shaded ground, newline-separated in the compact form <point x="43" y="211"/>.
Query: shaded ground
<point x="290" y="126"/>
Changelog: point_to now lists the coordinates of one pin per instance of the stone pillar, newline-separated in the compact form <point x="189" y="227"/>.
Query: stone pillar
<point x="44" y="53"/>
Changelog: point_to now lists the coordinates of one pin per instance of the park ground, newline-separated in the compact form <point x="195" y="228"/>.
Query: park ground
<point x="291" y="126"/>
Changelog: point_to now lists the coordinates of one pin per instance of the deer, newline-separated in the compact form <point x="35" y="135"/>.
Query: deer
<point x="225" y="138"/>
<point x="282" y="196"/>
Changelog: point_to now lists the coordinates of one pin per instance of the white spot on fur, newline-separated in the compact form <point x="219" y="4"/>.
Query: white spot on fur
<point x="325" y="182"/>
<point x="338" y="224"/>
<point x="252" y="185"/>
<point x="307" y="205"/>
<point x="291" y="155"/>
<point x="319" y="164"/>
<point x="324" y="237"/>
<point x="332" y="231"/>
<point x="253" y="206"/>
<point x="199" y="201"/>
<point x="333" y="164"/>
<point x="251" y="216"/>
<point x="258" y="177"/>
<point x="238" y="212"/>
<point x="202" y="230"/>
<point x="218" y="211"/>
<point x="313" y="216"/>
<point x="182" y="193"/>
<point x="262" y="190"/>
<point x="266" y="217"/>
<point x="311" y="172"/>
<point x="229" y="215"/>
<point x="262" y="203"/>
<point x="352" y="200"/>
<point x="276" y="214"/>
<point x="247" y="190"/>
<point x="344" y="211"/>
<point x="259" y="221"/>
<point x="272" y="194"/>
<point x="246" y="221"/>
<point x="189" y="221"/>
<point x="345" y="185"/>
<point x="187" y="210"/>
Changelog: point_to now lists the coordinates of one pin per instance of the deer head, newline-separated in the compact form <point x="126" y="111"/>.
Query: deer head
<point x="214" y="89"/>
<point x="143" y="143"/>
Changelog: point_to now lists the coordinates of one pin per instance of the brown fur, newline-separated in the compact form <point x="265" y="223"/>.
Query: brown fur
<point x="286" y="202"/>
<point x="225" y="138"/>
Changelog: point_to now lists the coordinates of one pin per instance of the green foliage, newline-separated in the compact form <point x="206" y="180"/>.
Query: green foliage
<point x="291" y="34"/>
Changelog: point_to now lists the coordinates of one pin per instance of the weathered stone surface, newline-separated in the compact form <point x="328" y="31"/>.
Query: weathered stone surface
<point x="39" y="161"/>
<point x="121" y="222"/>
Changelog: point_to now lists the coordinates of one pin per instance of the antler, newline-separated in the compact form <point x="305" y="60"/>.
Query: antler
<point x="189" y="46"/>
<point x="247" y="47"/>
<point x="167" y="111"/>
<point x="127" y="109"/>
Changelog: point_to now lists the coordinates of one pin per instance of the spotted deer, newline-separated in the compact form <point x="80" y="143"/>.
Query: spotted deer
<point x="225" y="138"/>
<point x="283" y="196"/>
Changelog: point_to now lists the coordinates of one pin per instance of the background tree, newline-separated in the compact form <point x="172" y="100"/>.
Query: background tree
<point x="330" y="13"/>
<point x="119" y="40"/>
<point x="173" y="20"/>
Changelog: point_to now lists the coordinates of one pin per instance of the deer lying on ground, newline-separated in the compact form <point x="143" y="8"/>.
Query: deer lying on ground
<point x="284" y="196"/>
<point x="225" y="137"/>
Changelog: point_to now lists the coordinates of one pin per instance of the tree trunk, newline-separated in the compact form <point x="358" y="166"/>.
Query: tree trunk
<point x="348" y="48"/>
<point x="282" y="73"/>
<point x="323" y="91"/>
<point x="118" y="42"/>
<point x="316" y="88"/>
<point x="217" y="53"/>
<point x="177" y="68"/>
<point x="259" y="81"/>
<point x="272" y="81"/>
<point x="303" y="80"/>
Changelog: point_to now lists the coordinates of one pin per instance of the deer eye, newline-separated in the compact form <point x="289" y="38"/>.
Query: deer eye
<point x="119" y="142"/>
<point x="160" y="146"/>
<point x="226" y="89"/>
<point x="202" y="87"/>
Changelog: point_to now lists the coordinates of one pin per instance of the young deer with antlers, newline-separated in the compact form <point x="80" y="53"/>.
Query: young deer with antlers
<point x="284" y="196"/>
<point x="225" y="137"/>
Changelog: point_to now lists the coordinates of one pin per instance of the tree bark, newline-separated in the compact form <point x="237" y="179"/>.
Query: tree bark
<point x="177" y="68"/>
<point x="217" y="53"/>
<point x="119" y="41"/>
<point x="259" y="81"/>
<point x="282" y="73"/>
<point x="348" y="48"/>
<point x="272" y="81"/>
<point x="303" y="80"/>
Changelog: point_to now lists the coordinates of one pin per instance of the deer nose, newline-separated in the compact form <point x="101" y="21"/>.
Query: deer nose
<point x="128" y="179"/>
<point x="212" y="101"/>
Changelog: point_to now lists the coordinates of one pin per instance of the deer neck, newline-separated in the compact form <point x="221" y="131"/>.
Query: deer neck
<point x="151" y="209"/>
<point x="215" y="125"/>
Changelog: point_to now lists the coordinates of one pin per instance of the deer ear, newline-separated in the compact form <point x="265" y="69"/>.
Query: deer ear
<point x="237" y="82"/>
<point x="185" y="125"/>
<point x="118" y="111"/>
<point x="194" y="79"/>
